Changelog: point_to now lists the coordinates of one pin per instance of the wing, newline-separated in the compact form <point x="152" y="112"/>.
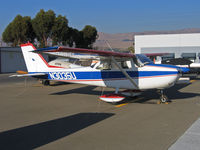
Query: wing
<point x="112" y="55"/>
<point x="84" y="51"/>
<point x="72" y="55"/>
<point x="155" y="54"/>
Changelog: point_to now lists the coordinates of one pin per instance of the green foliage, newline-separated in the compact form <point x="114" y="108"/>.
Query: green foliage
<point x="30" y="33"/>
<point x="131" y="49"/>
<point x="7" y="34"/>
<point x="60" y="30"/>
<point x="82" y="39"/>
<point x="89" y="35"/>
<point x="73" y="38"/>
<point x="46" y="25"/>
<point x="19" y="31"/>
<point x="42" y="25"/>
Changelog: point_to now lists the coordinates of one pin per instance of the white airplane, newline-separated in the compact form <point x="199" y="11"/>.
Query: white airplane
<point x="133" y="72"/>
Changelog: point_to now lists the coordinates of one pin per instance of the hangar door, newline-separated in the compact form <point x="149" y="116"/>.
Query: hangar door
<point x="12" y="60"/>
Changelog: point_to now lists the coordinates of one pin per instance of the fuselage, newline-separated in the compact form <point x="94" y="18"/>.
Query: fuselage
<point x="150" y="76"/>
<point x="125" y="71"/>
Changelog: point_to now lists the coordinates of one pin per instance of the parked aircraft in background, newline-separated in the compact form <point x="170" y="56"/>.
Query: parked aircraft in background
<point x="182" y="62"/>
<point x="114" y="69"/>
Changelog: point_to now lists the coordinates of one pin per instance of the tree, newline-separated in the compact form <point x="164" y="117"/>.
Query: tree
<point x="84" y="38"/>
<point x="131" y="49"/>
<point x="78" y="39"/>
<point x="72" y="36"/>
<point x="46" y="26"/>
<point x="42" y="25"/>
<point x="30" y="34"/>
<point x="7" y="34"/>
<point x="75" y="38"/>
<point x="89" y="34"/>
<point x="19" y="31"/>
<point x="60" y="30"/>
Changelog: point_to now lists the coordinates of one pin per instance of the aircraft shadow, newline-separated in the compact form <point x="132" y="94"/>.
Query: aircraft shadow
<point x="36" y="135"/>
<point x="59" y="83"/>
<point x="172" y="93"/>
<point x="83" y="90"/>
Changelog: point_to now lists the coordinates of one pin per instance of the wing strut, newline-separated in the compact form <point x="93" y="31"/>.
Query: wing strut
<point x="124" y="72"/>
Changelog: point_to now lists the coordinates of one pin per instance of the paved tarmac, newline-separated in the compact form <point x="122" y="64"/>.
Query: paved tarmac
<point x="70" y="116"/>
<point x="190" y="140"/>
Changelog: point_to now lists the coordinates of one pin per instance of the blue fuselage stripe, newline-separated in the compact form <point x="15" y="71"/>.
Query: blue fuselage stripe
<point x="93" y="75"/>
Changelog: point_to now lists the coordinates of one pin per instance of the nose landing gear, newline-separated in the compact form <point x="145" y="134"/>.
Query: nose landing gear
<point x="163" y="98"/>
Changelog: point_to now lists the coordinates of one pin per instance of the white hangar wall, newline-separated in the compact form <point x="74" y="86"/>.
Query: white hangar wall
<point x="179" y="45"/>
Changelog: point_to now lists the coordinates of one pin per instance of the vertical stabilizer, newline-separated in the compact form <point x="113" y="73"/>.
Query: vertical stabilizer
<point x="34" y="62"/>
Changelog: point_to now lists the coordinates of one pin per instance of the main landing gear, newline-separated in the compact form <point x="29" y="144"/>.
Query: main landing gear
<point x="45" y="82"/>
<point x="163" y="98"/>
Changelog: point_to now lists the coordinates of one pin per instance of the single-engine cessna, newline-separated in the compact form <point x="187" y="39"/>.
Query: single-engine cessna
<point x="132" y="72"/>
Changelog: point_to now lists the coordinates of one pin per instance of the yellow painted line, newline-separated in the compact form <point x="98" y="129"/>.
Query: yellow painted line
<point x="37" y="85"/>
<point x="192" y="81"/>
<point x="120" y="105"/>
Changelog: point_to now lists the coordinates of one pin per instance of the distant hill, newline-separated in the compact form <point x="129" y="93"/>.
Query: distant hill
<point x="124" y="40"/>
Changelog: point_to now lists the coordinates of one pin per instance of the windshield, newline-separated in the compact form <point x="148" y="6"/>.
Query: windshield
<point x="144" y="59"/>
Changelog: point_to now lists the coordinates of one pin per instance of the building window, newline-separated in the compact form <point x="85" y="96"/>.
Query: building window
<point x="168" y="56"/>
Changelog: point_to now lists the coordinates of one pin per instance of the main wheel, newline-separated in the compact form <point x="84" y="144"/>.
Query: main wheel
<point x="163" y="98"/>
<point x="45" y="82"/>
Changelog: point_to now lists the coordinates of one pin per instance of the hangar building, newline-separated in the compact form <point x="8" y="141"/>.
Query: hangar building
<point x="11" y="59"/>
<point x="176" y="45"/>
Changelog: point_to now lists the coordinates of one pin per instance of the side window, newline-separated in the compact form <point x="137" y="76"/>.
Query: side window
<point x="104" y="65"/>
<point x="108" y="65"/>
<point x="126" y="64"/>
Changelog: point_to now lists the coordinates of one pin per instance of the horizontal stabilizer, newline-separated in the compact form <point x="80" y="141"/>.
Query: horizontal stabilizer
<point x="28" y="75"/>
<point x="22" y="72"/>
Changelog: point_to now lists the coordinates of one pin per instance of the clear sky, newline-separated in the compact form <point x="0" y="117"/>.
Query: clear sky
<point x="111" y="16"/>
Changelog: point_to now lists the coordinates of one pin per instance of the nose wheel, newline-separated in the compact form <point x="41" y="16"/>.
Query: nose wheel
<point x="163" y="98"/>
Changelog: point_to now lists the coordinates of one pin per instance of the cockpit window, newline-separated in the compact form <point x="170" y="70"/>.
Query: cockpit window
<point x="144" y="59"/>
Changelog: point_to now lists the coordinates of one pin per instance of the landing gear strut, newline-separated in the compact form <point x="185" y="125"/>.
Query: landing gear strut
<point x="45" y="82"/>
<point x="163" y="98"/>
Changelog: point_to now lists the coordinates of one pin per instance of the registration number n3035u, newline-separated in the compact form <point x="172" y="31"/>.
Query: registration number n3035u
<point x="62" y="75"/>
